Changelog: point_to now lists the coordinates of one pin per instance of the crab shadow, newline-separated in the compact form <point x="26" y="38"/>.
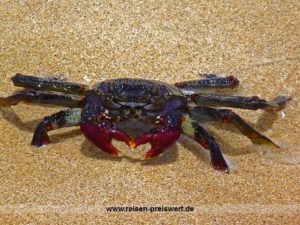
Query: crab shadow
<point x="227" y="147"/>
<point x="88" y="149"/>
<point x="263" y="124"/>
<point x="10" y="116"/>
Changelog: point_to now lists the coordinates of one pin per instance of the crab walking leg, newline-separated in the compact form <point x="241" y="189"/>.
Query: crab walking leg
<point x="192" y="129"/>
<point x="205" y="114"/>
<point x="39" y="83"/>
<point x="65" y="118"/>
<point x="253" y="103"/>
<point x="210" y="81"/>
<point x="30" y="96"/>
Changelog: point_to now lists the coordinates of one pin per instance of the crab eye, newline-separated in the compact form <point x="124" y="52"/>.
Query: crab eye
<point x="111" y="105"/>
<point x="157" y="106"/>
<point x="173" y="103"/>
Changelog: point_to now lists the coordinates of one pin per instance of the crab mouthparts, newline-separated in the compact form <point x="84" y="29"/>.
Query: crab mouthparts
<point x="132" y="144"/>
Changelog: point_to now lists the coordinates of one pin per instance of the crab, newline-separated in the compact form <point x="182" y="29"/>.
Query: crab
<point x="171" y="110"/>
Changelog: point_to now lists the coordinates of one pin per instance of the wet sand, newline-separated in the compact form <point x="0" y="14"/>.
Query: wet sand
<point x="71" y="182"/>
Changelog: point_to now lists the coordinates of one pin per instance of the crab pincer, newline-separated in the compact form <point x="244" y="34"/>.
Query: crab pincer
<point x="101" y="134"/>
<point x="160" y="139"/>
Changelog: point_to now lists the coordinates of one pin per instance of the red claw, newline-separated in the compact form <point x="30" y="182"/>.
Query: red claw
<point x="160" y="139"/>
<point x="101" y="134"/>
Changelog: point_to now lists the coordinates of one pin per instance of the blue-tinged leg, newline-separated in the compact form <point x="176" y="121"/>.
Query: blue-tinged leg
<point x="205" y="114"/>
<point x="240" y="102"/>
<point x="38" y="97"/>
<point x="48" y="84"/>
<point x="210" y="81"/>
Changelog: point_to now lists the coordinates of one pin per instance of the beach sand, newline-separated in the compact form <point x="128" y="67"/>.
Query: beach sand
<point x="71" y="182"/>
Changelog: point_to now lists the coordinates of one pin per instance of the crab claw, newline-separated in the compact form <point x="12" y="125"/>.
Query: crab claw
<point x="101" y="134"/>
<point x="160" y="139"/>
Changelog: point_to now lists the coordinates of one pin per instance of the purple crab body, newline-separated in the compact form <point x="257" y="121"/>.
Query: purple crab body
<point x="123" y="99"/>
<point x="171" y="110"/>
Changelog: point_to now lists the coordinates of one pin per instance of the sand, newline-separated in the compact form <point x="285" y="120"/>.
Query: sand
<point x="71" y="182"/>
